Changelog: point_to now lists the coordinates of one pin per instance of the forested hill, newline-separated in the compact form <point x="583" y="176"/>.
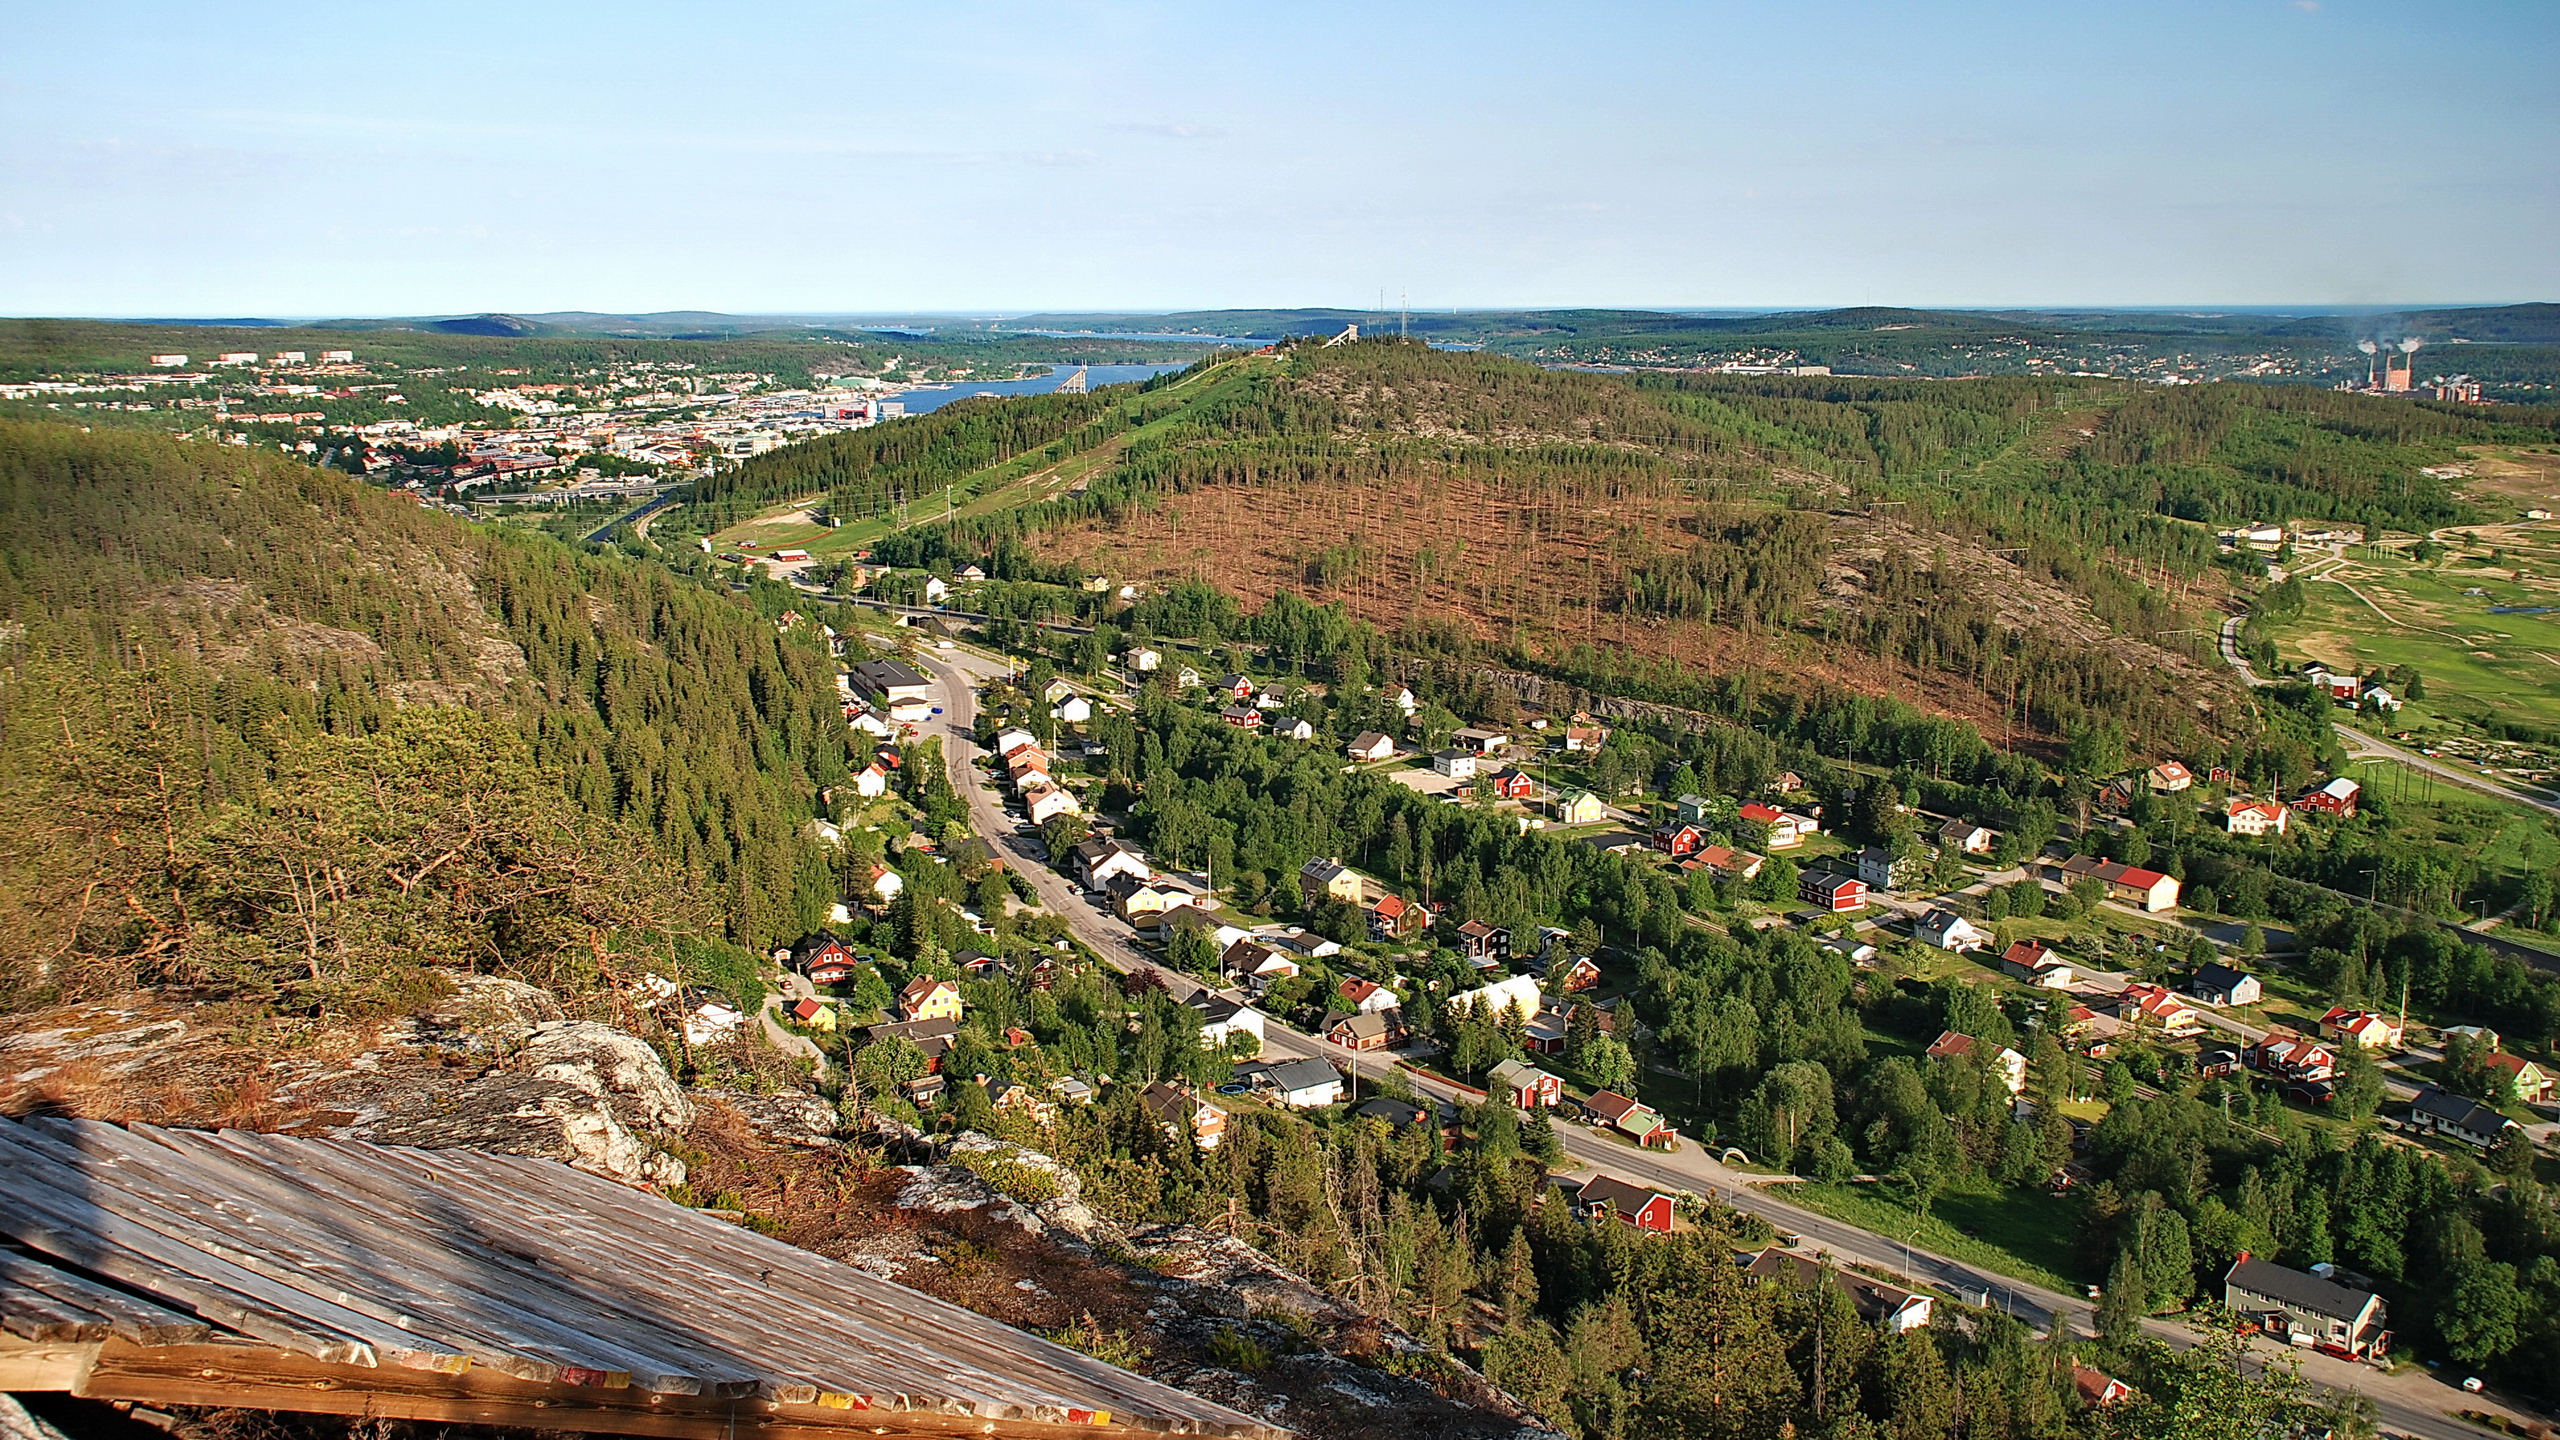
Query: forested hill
<point x="2032" y="555"/>
<point x="266" y="728"/>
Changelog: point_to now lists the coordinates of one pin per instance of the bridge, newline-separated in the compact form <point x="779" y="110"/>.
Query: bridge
<point x="1075" y="384"/>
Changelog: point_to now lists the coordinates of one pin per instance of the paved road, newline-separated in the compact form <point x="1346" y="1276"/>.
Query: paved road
<point x="2412" y="1404"/>
<point x="663" y="502"/>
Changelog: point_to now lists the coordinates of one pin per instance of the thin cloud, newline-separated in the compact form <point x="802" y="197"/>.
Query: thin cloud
<point x="2307" y="7"/>
<point x="1173" y="130"/>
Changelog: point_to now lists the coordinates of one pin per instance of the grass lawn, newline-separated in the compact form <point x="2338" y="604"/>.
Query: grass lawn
<point x="2024" y="1234"/>
<point x="2474" y="662"/>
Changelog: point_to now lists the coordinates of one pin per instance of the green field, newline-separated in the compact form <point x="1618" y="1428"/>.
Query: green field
<point x="2403" y="612"/>
<point x="2024" y="1234"/>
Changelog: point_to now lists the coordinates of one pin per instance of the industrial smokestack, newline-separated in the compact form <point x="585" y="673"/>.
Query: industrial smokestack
<point x="2410" y="345"/>
<point x="2367" y="346"/>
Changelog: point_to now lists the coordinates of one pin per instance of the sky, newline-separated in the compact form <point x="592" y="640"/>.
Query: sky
<point x="302" y="160"/>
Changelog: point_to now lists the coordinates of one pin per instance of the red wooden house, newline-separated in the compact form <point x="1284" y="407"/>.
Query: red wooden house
<point x="1645" y="1208"/>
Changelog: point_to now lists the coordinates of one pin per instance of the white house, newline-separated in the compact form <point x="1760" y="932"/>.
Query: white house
<point x="1949" y="931"/>
<point x="1456" y="764"/>
<point x="1143" y="659"/>
<point x="935" y="591"/>
<point x="886" y="883"/>
<point x="1519" y="992"/>
<point x="1044" y="801"/>
<point x="872" y="781"/>
<point x="1291" y="727"/>
<point x="712" y="1021"/>
<point x="1370" y="745"/>
<point x="1404" y="700"/>
<point x="1075" y="710"/>
<point x="2256" y="817"/>
<point x="1008" y="741"/>
<point x="1299" y="1084"/>
<point x="1224" y="1016"/>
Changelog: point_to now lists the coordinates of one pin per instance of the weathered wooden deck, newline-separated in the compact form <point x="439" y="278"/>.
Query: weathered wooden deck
<point x="186" y="1267"/>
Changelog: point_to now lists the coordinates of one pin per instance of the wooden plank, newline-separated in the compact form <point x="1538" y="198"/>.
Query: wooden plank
<point x="500" y="1317"/>
<point x="40" y="1206"/>
<point x="120" y="1313"/>
<point x="522" y="1299"/>
<point x="31" y="1315"/>
<point x="27" y="1365"/>
<point x="256" y="1222"/>
<point x="236" y="1376"/>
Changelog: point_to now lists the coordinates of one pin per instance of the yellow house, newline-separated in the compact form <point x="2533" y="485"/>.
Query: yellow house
<point x="926" y="998"/>
<point x="1578" y="807"/>
<point x="814" y="1014"/>
<point x="1328" y="877"/>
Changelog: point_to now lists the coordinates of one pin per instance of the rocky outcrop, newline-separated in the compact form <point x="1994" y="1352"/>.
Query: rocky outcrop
<point x="794" y="1117"/>
<point x="617" y="1068"/>
<point x="510" y="1113"/>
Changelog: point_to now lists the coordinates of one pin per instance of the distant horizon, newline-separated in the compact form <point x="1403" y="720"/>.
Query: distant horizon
<point x="289" y="318"/>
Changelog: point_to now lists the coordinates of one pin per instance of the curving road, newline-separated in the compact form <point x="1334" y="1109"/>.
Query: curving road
<point x="2409" y="1403"/>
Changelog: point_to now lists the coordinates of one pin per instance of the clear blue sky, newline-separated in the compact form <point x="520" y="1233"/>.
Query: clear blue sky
<point x="359" y="158"/>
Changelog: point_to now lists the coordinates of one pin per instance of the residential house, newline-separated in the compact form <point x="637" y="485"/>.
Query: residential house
<point x="1045" y="802"/>
<point x="1481" y="942"/>
<point x="2364" y="1028"/>
<point x="1243" y="717"/>
<point x="1676" y="839"/>
<point x="1179" y="1108"/>
<point x="1187" y="678"/>
<point x="1101" y="860"/>
<point x="1364" y="1029"/>
<point x="1396" y="918"/>
<point x="1302" y="943"/>
<point x="978" y="964"/>
<point x="1954" y="1045"/>
<point x="2336" y="799"/>
<point x="1369" y="745"/>
<point x="1529" y="1085"/>
<point x="1694" y="809"/>
<point x="1074" y="710"/>
<point x="816" y="1014"/>
<point x="2288" y="1304"/>
<point x="1329" y="878"/>
<point x="1008" y="741"/>
<point x="1142" y="658"/>
<point x="1393" y="1113"/>
<point x="1641" y="1206"/>
<point x="1638" y="1122"/>
<point x="2169" y="777"/>
<point x="1222" y="1018"/>
<point x="885" y="883"/>
<point x="2155" y="1006"/>
<point x="1239" y="686"/>
<point x="1832" y="891"/>
<point x="872" y="781"/>
<point x="1480" y="742"/>
<point x="1887" y="1307"/>
<point x="2480" y="1036"/>
<point x="1963" y="837"/>
<point x="1366" y="996"/>
<point x="1582" y="735"/>
<point x="1299" y="1084"/>
<point x="823" y="949"/>
<point x="1517" y="993"/>
<point x="2307" y="1069"/>
<point x="1291" y="727"/>
<point x="2148" y="890"/>
<point x="1404" y="700"/>
<point x="2030" y="961"/>
<point x="1786" y="829"/>
<point x="1455" y="763"/>
<point x="1255" y="966"/>
<point x="1026" y="765"/>
<point x="712" y="1021"/>
<point x="2223" y="986"/>
<point x="2533" y="1084"/>
<point x="2458" y="1117"/>
<point x="1948" y="930"/>
<point x="1513" y="784"/>
<point x="1579" y="975"/>
<point x="1878" y="867"/>
<point x="1145" y="903"/>
<point x="933" y="1037"/>
<point x="926" y="998"/>
<point x="2246" y="816"/>
<point x="2097" y="1387"/>
<point x="1729" y="863"/>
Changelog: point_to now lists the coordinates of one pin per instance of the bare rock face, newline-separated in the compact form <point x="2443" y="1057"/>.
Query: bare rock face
<point x="510" y="1113"/>
<point x="615" y="1067"/>
<point x="485" y="1014"/>
<point x="793" y="1117"/>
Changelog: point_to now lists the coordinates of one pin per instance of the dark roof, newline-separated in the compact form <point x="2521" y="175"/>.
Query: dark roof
<point x="365" y="1269"/>
<point x="2459" y="1111"/>
<point x="885" y="673"/>
<point x="1300" y="1074"/>
<point x="1214" y="1008"/>
<point x="2217" y="978"/>
<point x="2292" y="1287"/>
<point x="1393" y="1111"/>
